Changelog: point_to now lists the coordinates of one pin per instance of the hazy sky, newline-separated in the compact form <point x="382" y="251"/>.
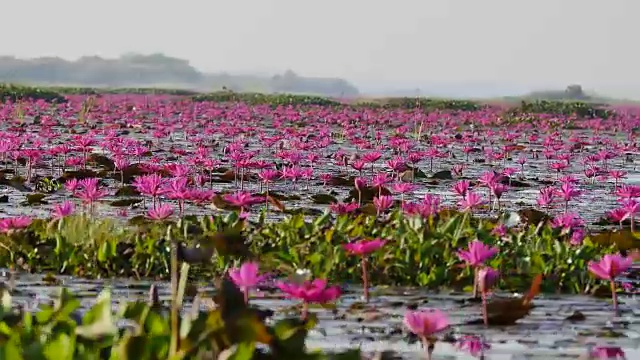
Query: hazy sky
<point x="401" y="43"/>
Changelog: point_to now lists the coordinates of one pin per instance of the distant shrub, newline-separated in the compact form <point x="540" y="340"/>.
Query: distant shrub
<point x="423" y="103"/>
<point x="267" y="99"/>
<point x="578" y="108"/>
<point x="18" y="92"/>
<point x="132" y="91"/>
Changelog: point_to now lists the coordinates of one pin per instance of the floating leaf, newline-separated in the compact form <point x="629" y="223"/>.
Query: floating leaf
<point x="127" y="190"/>
<point x="219" y="202"/>
<point x="278" y="205"/>
<point x="125" y="202"/>
<point x="576" y="316"/>
<point x="35" y="199"/>
<point x="369" y="209"/>
<point x="228" y="243"/>
<point x="508" y="311"/>
<point x="323" y="199"/>
<point x="102" y="161"/>
<point x="622" y="239"/>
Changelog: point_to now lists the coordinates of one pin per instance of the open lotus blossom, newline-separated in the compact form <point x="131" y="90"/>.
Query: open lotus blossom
<point x="315" y="291"/>
<point x="363" y="248"/>
<point x="607" y="353"/>
<point x="475" y="256"/>
<point x="382" y="203"/>
<point x="246" y="277"/>
<point x="461" y="187"/>
<point x="242" y="199"/>
<point x="426" y="324"/>
<point x="342" y="208"/>
<point x="150" y="185"/>
<point x="474" y="345"/>
<point x="608" y="268"/>
<point x="14" y="223"/>
<point x="470" y="201"/>
<point x="71" y="185"/>
<point x="59" y="211"/>
<point x="160" y="213"/>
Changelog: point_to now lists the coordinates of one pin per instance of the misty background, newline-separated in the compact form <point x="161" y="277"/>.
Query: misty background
<point x="455" y="48"/>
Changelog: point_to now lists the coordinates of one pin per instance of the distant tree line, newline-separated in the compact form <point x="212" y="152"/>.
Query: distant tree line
<point x="158" y="70"/>
<point x="571" y="92"/>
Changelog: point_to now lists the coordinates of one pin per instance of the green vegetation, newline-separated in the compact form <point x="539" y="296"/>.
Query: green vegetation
<point x="124" y="91"/>
<point x="265" y="99"/>
<point x="423" y="103"/>
<point x="231" y="330"/>
<point x="16" y="92"/>
<point x="420" y="252"/>
<point x="581" y="109"/>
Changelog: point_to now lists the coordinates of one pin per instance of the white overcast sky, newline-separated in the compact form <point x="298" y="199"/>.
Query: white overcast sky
<point x="400" y="43"/>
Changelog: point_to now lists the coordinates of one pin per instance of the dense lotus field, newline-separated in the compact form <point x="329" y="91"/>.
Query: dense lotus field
<point x="419" y="231"/>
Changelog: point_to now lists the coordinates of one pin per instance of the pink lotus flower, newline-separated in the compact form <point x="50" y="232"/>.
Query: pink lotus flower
<point x="425" y="324"/>
<point x="568" y="192"/>
<point x="342" y="208"/>
<point x="473" y="345"/>
<point x="90" y="191"/>
<point x="545" y="198"/>
<point x="487" y="277"/>
<point x="618" y="215"/>
<point x="382" y="203"/>
<point x="364" y="247"/>
<point x="71" y="185"/>
<point x="499" y="230"/>
<point x="160" y="213"/>
<point x="372" y="157"/>
<point x="242" y="199"/>
<point x="477" y="253"/>
<point x="315" y="291"/>
<point x="404" y="188"/>
<point x="268" y="175"/>
<point x="461" y="187"/>
<point x="608" y="268"/>
<point x="15" y="223"/>
<point x="577" y="236"/>
<point x="607" y="353"/>
<point x="246" y="277"/>
<point x="61" y="210"/>
<point x="567" y="221"/>
<point x="470" y="201"/>
<point x="150" y="185"/>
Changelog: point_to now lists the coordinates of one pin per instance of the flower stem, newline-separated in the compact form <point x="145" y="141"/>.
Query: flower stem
<point x="305" y="311"/>
<point x="429" y="346"/>
<point x="485" y="316"/>
<point x="365" y="279"/>
<point x="614" y="297"/>
<point x="475" y="282"/>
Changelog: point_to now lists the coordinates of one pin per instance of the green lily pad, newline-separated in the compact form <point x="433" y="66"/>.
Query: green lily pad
<point x="125" y="202"/>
